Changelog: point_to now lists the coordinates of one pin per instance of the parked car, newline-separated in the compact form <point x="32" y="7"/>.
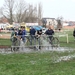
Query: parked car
<point x="44" y="30"/>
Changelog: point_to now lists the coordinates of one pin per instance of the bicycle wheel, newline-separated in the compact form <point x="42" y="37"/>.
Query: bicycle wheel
<point x="54" y="42"/>
<point x="27" y="43"/>
<point x="15" y="44"/>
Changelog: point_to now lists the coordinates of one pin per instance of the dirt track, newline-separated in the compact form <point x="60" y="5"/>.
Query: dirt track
<point x="6" y="36"/>
<point x="69" y="27"/>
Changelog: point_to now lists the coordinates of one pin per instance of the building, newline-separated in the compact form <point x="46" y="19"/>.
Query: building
<point x="3" y="20"/>
<point x="49" y="21"/>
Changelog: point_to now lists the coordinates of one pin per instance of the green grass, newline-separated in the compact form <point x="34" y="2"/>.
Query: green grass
<point x="63" y="40"/>
<point x="36" y="64"/>
<point x="5" y="42"/>
<point x="5" y="32"/>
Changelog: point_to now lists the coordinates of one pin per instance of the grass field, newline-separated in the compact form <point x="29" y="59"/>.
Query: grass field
<point x="36" y="64"/>
<point x="39" y="63"/>
<point x="63" y="39"/>
<point x="5" y="42"/>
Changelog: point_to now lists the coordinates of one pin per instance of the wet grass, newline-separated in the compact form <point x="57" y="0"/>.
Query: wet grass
<point x="36" y="64"/>
<point x="5" y="42"/>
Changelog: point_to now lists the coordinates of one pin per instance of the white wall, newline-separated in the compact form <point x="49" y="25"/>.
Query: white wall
<point x="65" y="24"/>
<point x="31" y="24"/>
<point x="3" y="25"/>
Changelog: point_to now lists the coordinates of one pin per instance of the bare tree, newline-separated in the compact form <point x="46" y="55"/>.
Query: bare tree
<point x="1" y="12"/>
<point x="26" y="12"/>
<point x="31" y="14"/>
<point x="21" y="11"/>
<point x="59" y="21"/>
<point x="39" y="12"/>
<point x="8" y="10"/>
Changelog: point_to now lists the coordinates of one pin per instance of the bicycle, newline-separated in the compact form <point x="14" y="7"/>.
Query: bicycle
<point x="32" y="42"/>
<point x="15" y="43"/>
<point x="53" y="41"/>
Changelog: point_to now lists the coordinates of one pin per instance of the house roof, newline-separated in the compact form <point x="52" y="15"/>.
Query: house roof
<point x="48" y="18"/>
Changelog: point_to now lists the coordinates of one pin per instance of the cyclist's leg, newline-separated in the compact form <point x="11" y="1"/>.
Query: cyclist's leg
<point x="50" y="39"/>
<point x="36" y="43"/>
<point x="27" y="40"/>
<point x="52" y="43"/>
<point x="30" y="40"/>
<point x="13" y="43"/>
<point x="39" y="41"/>
<point x="18" y="43"/>
<point x="24" y="39"/>
<point x="48" y="42"/>
<point x="12" y="48"/>
<point x="55" y="42"/>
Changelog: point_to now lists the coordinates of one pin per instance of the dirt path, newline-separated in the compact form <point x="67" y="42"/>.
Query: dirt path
<point x="6" y="36"/>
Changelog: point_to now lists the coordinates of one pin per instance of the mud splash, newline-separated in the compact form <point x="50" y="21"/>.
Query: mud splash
<point x="45" y="47"/>
<point x="64" y="58"/>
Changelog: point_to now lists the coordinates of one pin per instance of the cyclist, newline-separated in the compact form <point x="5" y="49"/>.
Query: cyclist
<point x="39" y="33"/>
<point x="14" y="38"/>
<point x="74" y="33"/>
<point x="24" y="32"/>
<point x="32" y="35"/>
<point x="49" y="32"/>
<point x="13" y="35"/>
<point x="20" y="33"/>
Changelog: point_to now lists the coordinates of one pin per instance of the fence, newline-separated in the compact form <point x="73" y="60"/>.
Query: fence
<point x="65" y="35"/>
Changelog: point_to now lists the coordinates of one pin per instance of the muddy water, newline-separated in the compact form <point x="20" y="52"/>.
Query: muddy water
<point x="28" y="50"/>
<point x="45" y="47"/>
<point x="64" y="58"/>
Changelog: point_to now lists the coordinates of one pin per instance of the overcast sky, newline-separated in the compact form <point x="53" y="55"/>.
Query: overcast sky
<point x="55" y="8"/>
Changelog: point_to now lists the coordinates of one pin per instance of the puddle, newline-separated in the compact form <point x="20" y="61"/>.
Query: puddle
<point x="64" y="58"/>
<point x="45" y="47"/>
